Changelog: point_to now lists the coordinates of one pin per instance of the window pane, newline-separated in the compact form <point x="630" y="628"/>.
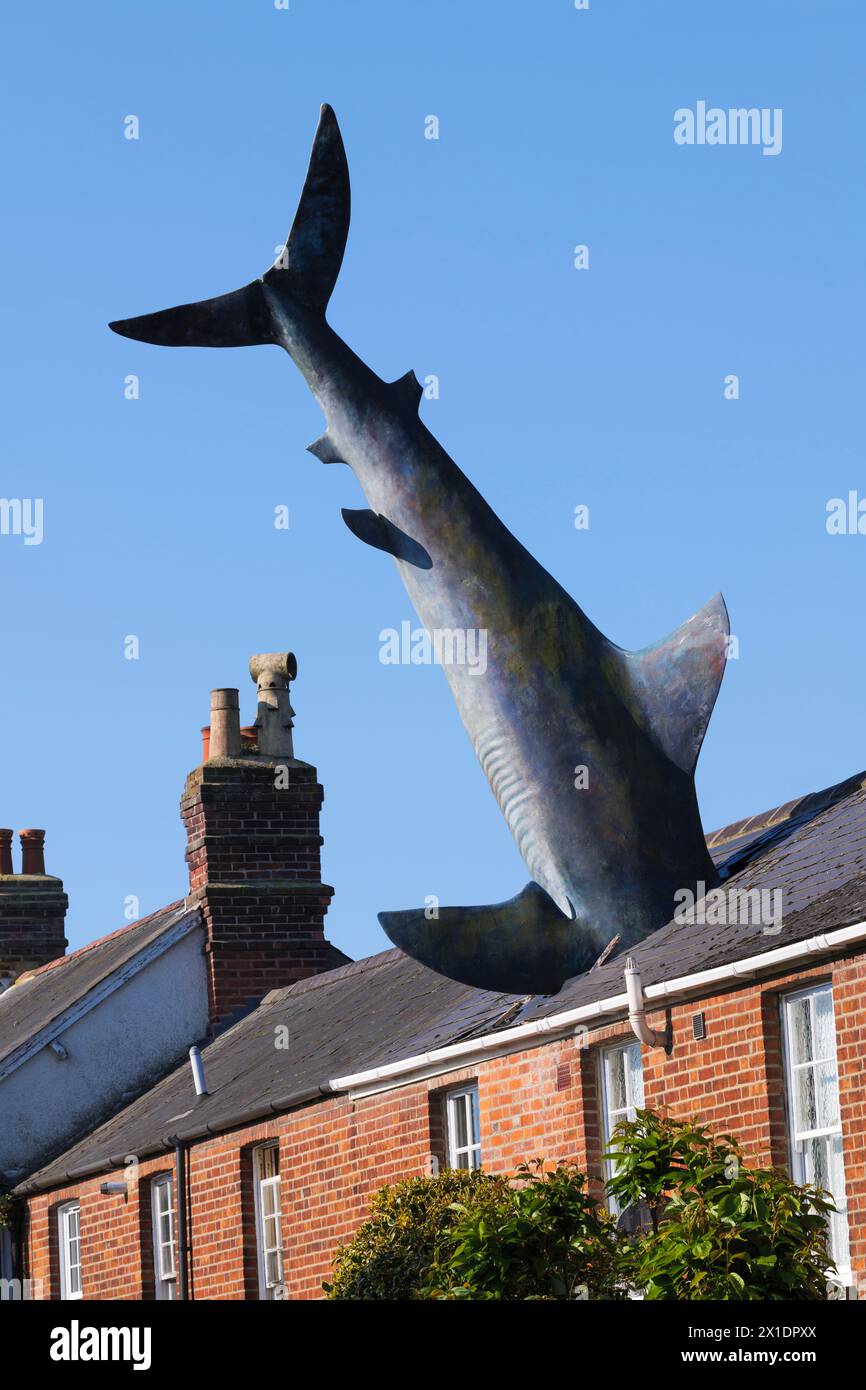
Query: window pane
<point x="634" y="1076"/>
<point x="476" y="1125"/>
<point x="273" y="1268"/>
<point x="827" y="1086"/>
<point x="825" y="1029"/>
<point x="800" y="1019"/>
<point x="616" y="1092"/>
<point x="268" y="1162"/>
<point x="805" y="1107"/>
<point x="458" y="1112"/>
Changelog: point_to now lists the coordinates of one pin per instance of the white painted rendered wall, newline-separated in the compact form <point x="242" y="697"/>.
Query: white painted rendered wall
<point x="126" y="1041"/>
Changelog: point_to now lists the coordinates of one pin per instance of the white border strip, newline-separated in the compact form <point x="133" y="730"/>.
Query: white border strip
<point x="541" y="1030"/>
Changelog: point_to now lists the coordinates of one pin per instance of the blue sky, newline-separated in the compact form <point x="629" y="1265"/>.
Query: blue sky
<point x="558" y="387"/>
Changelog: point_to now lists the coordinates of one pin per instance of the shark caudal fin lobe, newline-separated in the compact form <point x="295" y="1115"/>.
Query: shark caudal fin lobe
<point x="305" y="272"/>
<point x="240" y="319"/>
<point x="308" y="266"/>
<point x="523" y="946"/>
<point x="674" y="684"/>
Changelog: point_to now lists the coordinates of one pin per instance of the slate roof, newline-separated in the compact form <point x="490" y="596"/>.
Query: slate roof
<point x="387" y="1007"/>
<point x="42" y="995"/>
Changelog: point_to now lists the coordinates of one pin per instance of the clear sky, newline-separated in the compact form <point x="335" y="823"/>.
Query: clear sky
<point x="559" y="387"/>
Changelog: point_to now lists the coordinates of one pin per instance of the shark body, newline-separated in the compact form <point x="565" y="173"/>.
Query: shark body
<point x="590" y="750"/>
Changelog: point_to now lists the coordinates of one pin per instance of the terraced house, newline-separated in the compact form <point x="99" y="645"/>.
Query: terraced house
<point x="322" y="1079"/>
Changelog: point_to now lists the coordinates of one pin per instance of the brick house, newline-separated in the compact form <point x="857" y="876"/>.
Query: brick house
<point x="358" y="1075"/>
<point x="83" y="1034"/>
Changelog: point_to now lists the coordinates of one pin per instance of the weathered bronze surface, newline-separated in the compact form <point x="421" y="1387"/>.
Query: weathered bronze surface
<point x="556" y="696"/>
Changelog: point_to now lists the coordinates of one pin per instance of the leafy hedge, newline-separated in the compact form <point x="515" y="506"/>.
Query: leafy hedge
<point x="390" y="1255"/>
<point x="543" y="1238"/>
<point x="720" y="1230"/>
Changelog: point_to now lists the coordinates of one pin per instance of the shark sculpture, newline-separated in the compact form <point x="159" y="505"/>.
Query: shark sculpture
<point x="590" y="750"/>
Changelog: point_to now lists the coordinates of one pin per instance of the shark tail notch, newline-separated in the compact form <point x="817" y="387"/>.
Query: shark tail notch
<point x="523" y="946"/>
<point x="305" y="272"/>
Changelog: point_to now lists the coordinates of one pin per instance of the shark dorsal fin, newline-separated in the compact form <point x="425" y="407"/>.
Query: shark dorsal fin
<point x="674" y="684"/>
<point x="407" y="391"/>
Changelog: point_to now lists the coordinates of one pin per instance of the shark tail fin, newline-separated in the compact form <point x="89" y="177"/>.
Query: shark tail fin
<point x="675" y="683"/>
<point x="305" y="271"/>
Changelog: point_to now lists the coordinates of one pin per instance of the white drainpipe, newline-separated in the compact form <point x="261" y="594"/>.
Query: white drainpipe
<point x="637" y="1008"/>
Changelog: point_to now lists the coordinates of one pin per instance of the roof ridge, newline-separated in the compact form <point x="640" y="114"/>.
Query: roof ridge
<point x="342" y="972"/>
<point x="765" y="820"/>
<point x="100" y="941"/>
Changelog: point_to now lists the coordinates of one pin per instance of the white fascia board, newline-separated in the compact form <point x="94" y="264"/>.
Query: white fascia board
<point x="474" y="1050"/>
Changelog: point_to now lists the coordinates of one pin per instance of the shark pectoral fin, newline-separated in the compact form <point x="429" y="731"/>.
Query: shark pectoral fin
<point x="378" y="531"/>
<point x="675" y="683"/>
<point x="523" y="946"/>
<point x="325" y="450"/>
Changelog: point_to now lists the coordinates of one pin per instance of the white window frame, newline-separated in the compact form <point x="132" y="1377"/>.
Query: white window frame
<point x="266" y="1188"/>
<point x="610" y="1117"/>
<point x="164" y="1251"/>
<point x="797" y="1138"/>
<point x="69" y="1235"/>
<point x="466" y="1097"/>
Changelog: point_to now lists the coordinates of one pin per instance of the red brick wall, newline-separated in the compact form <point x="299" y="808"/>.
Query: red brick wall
<point x="32" y="918"/>
<point x="541" y="1102"/>
<point x="254" y="856"/>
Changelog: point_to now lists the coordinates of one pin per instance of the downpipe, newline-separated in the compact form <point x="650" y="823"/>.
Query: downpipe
<point x="637" y="1011"/>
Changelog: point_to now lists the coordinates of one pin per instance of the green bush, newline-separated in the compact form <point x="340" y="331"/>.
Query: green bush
<point x="543" y="1238"/>
<point x="720" y="1230"/>
<point x="390" y="1255"/>
<point x="714" y="1229"/>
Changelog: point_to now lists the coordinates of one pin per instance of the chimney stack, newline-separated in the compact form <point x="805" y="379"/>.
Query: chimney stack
<point x="32" y="907"/>
<point x="251" y="812"/>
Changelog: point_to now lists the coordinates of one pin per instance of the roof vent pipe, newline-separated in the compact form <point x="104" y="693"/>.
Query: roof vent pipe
<point x="637" y="1009"/>
<point x="198" y="1072"/>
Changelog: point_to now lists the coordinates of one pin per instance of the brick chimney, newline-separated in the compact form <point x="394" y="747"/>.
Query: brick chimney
<point x="251" y="812"/>
<point x="32" y="908"/>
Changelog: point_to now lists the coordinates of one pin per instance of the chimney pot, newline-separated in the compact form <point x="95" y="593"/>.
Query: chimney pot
<point x="32" y="851"/>
<point x="273" y="672"/>
<point x="5" y="852"/>
<point x="225" y="724"/>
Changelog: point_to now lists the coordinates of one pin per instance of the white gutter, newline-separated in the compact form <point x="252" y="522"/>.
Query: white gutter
<point x="601" y="1011"/>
